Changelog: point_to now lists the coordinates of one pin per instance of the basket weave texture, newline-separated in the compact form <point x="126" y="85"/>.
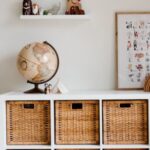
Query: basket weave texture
<point x="28" y="122"/>
<point x="77" y="122"/>
<point x="125" y="122"/>
<point x="126" y="149"/>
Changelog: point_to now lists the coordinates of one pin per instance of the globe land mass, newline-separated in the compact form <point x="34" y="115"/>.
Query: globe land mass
<point x="37" y="62"/>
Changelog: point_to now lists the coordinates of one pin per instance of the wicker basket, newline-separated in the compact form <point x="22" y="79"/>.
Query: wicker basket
<point x="77" y="122"/>
<point x="126" y="149"/>
<point x="28" y="122"/>
<point x="125" y="121"/>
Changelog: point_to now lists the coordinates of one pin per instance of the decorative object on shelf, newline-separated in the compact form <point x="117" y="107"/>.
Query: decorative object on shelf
<point x="47" y="89"/>
<point x="45" y="12"/>
<point x="27" y="7"/>
<point x="133" y="46"/>
<point x="35" y="9"/>
<point x="74" y="7"/>
<point x="41" y="11"/>
<point x="147" y="84"/>
<point x="38" y="63"/>
<point x="59" y="88"/>
<point x="55" y="8"/>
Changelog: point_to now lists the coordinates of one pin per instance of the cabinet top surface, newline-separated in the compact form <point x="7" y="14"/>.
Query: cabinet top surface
<point x="81" y="95"/>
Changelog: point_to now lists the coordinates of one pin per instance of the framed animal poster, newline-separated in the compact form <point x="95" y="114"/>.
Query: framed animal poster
<point x="133" y="49"/>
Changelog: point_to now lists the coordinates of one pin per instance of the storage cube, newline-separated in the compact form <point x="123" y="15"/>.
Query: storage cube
<point x="28" y="122"/>
<point x="125" y="122"/>
<point x="77" y="122"/>
<point x="127" y="149"/>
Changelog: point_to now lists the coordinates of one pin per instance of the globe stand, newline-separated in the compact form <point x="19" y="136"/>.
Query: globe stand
<point x="36" y="89"/>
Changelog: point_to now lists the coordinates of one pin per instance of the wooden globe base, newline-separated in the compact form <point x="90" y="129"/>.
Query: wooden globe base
<point x="35" y="90"/>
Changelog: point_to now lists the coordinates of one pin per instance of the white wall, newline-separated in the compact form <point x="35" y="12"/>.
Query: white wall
<point x="86" y="48"/>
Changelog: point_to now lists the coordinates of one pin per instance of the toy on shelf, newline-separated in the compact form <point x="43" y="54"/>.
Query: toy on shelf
<point x="41" y="11"/>
<point x="59" y="88"/>
<point x="35" y="9"/>
<point x="47" y="88"/>
<point x="74" y="7"/>
<point x="27" y="7"/>
<point x="55" y="9"/>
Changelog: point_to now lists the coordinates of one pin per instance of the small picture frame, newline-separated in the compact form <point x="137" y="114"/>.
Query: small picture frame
<point x="133" y="49"/>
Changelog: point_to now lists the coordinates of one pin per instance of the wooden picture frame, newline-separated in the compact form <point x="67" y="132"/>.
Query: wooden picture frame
<point x="133" y="49"/>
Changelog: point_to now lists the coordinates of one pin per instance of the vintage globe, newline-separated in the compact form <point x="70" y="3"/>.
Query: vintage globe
<point x="38" y="62"/>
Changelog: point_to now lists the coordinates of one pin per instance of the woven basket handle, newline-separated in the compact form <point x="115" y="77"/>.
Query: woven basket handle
<point x="77" y="105"/>
<point x="125" y="105"/>
<point x="28" y="106"/>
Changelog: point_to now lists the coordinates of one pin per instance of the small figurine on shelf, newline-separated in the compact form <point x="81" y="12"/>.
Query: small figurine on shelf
<point x="41" y="11"/>
<point x="55" y="8"/>
<point x="27" y="7"/>
<point x="45" y="12"/>
<point x="74" y="8"/>
<point x="59" y="88"/>
<point x="47" y="89"/>
<point x="35" y="9"/>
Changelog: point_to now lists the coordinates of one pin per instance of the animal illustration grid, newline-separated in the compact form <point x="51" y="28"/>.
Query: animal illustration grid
<point x="136" y="49"/>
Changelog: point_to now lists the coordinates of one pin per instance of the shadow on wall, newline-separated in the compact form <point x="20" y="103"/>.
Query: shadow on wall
<point x="9" y="76"/>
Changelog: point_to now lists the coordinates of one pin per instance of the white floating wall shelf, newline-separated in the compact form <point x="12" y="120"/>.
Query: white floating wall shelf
<point x="55" y="17"/>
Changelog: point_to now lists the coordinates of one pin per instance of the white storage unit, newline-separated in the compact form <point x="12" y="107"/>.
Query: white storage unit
<point x="78" y="95"/>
